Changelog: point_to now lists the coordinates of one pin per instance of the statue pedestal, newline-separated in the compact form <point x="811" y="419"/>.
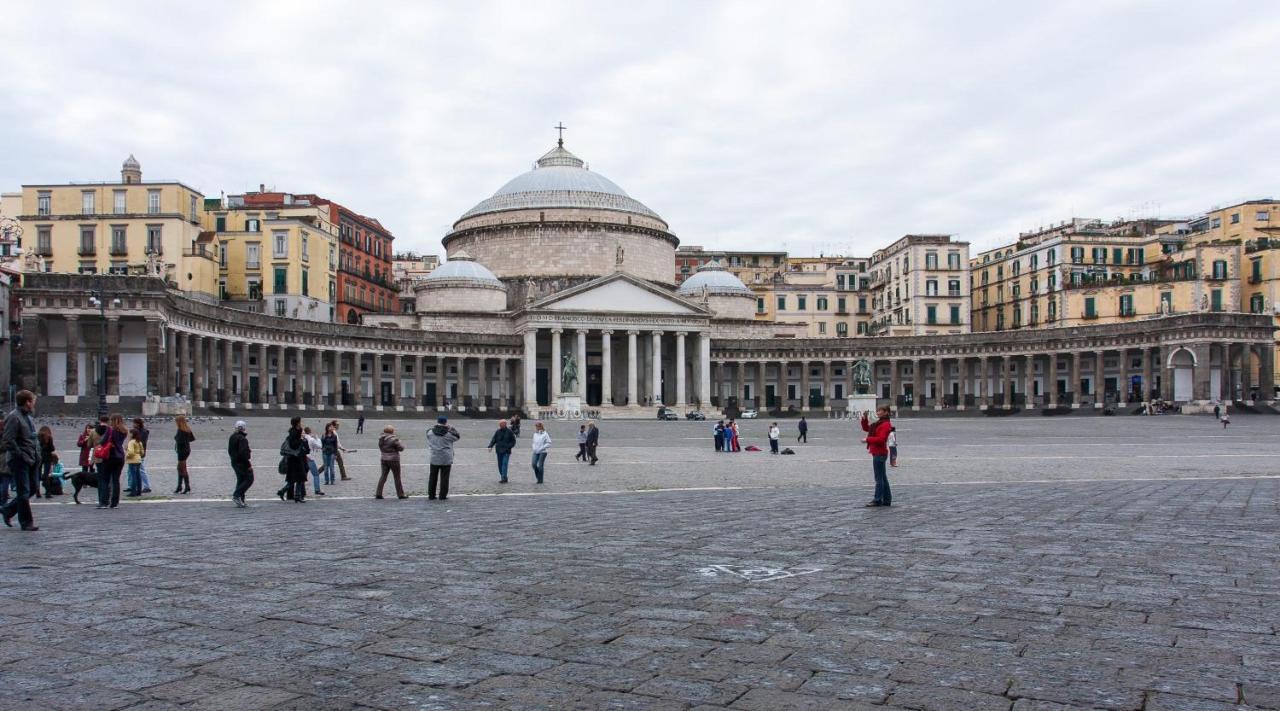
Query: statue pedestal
<point x="860" y="403"/>
<point x="569" y="403"/>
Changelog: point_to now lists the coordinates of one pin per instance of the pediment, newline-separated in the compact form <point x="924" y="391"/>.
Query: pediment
<point x="618" y="293"/>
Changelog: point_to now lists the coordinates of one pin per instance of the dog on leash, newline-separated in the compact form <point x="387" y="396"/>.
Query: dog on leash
<point x="80" y="480"/>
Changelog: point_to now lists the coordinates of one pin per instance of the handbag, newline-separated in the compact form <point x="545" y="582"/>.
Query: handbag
<point x="284" y="466"/>
<point x="102" y="452"/>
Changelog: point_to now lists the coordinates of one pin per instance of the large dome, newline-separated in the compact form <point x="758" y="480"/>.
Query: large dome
<point x="715" y="280"/>
<point x="560" y="180"/>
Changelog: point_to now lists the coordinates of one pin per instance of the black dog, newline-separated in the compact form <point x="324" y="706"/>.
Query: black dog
<point x="80" y="480"/>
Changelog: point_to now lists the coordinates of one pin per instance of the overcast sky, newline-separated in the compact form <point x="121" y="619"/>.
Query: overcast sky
<point x="818" y="128"/>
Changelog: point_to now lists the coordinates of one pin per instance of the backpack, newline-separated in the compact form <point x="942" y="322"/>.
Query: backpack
<point x="788" y="450"/>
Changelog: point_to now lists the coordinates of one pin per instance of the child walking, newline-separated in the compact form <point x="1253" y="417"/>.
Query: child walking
<point x="582" y="444"/>
<point x="893" y="446"/>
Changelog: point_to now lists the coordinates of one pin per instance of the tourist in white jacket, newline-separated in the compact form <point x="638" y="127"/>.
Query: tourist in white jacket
<point x="541" y="445"/>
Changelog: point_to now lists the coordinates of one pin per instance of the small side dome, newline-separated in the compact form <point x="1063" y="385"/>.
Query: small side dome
<point x="131" y="162"/>
<point x="462" y="268"/>
<point x="713" y="277"/>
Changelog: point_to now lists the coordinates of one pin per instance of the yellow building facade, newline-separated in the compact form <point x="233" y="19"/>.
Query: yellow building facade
<point x="281" y="261"/>
<point x="120" y="228"/>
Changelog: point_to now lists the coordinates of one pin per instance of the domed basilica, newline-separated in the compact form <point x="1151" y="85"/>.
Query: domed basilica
<point x="585" y="272"/>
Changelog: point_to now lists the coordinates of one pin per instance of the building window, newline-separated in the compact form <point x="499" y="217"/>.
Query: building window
<point x="1053" y="311"/>
<point x="306" y="253"/>
<point x="1017" y="267"/>
<point x="44" y="241"/>
<point x="1166" y="302"/>
<point x="1219" y="269"/>
<point x="88" y="268"/>
<point x="86" y="202"/>
<point x="1216" y="223"/>
<point x="822" y="303"/>
<point x="1263" y="216"/>
<point x="333" y="257"/>
<point x="119" y="245"/>
<point x="154" y="241"/>
<point x="1090" y="311"/>
<point x="955" y="314"/>
<point x="118" y="268"/>
<point x="222" y="289"/>
<point x="280" y="307"/>
<point x="281" y="242"/>
<point x="333" y="291"/>
<point x="281" y="280"/>
<point x="1035" y="284"/>
<point x="931" y="315"/>
<point x="44" y="200"/>
<point x="153" y="202"/>
<point x="953" y="260"/>
<point x="1052" y="281"/>
<point x="931" y="287"/>
<point x="1035" y="315"/>
<point x="220" y="223"/>
<point x="1017" y="317"/>
<point x="1117" y="256"/>
<point x="222" y="256"/>
<point x="1035" y="262"/>
<point x="306" y="283"/>
<point x="252" y="225"/>
<point x="931" y="260"/>
<point x="1077" y="255"/>
<point x="252" y="255"/>
<point x="1126" y="304"/>
<point x="862" y="304"/>
<point x="822" y="328"/>
<point x="1000" y="320"/>
<point x="1235" y="218"/>
<point x="782" y="303"/>
<point x="760" y="304"/>
<point x="194" y="207"/>
<point x="841" y="305"/>
<point x="255" y="290"/>
<point x="118" y="202"/>
<point x="1099" y="255"/>
<point x="1215" y="299"/>
<point x="842" y="330"/>
<point x="87" y="241"/>
<point x="1256" y="304"/>
<point x="800" y="303"/>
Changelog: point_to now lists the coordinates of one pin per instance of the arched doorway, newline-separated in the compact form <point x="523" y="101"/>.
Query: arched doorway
<point x="353" y="317"/>
<point x="1182" y="363"/>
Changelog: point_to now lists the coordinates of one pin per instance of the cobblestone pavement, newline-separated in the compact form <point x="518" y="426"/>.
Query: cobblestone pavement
<point x="1154" y="595"/>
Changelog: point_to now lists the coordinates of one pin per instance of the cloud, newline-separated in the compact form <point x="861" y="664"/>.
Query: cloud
<point x="821" y="126"/>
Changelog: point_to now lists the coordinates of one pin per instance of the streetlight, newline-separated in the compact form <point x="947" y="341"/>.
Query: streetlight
<point x="97" y="298"/>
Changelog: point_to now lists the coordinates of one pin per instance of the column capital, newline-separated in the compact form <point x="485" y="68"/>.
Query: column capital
<point x="557" y="331"/>
<point x="606" y="331"/>
<point x="582" y="331"/>
<point x="658" y="332"/>
<point x="71" y="317"/>
<point x="633" y="333"/>
<point x="681" y="334"/>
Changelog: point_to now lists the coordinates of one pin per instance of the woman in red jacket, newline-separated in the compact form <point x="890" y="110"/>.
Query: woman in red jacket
<point x="877" y="444"/>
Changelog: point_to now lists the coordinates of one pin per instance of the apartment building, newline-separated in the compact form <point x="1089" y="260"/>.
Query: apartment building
<point x="920" y="285"/>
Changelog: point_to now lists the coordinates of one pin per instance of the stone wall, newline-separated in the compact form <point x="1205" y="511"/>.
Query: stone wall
<point x="480" y="323"/>
<point x="460" y="298"/>
<point x="568" y="249"/>
<point x="735" y="306"/>
<point x="562" y="214"/>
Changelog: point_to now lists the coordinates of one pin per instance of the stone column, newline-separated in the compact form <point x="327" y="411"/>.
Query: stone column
<point x="1148" y="380"/>
<point x="1122" y="378"/>
<point x="680" y="365"/>
<point x="530" y="369"/>
<point x="826" y="385"/>
<point x="895" y="382"/>
<point x="171" y="363"/>
<point x="1029" y="381"/>
<point x="1100" y="380"/>
<point x="848" y="377"/>
<point x="581" y="356"/>
<point x="1074" y="385"/>
<point x="197" y="348"/>
<point x="482" y="375"/>
<point x="73" y="354"/>
<point x="804" y="385"/>
<point x="738" y="368"/>
<point x="504" y="385"/>
<point x="556" y="367"/>
<point x="243" y="394"/>
<point x="155" y="357"/>
<point x="1267" y="372"/>
<point x="984" y="386"/>
<point x="297" y="376"/>
<point x="939" y="384"/>
<point x="1051" y="379"/>
<point x="419" y="381"/>
<point x="228" y="369"/>
<point x="1010" y="377"/>
<point x="113" y="356"/>
<point x="440" y="383"/>
<point x="606" y="367"/>
<point x="760" y="387"/>
<point x="1246" y="371"/>
<point x="397" y="368"/>
<point x="704" y="368"/>
<point x="657" y="368"/>
<point x="633" y="354"/>
<point x="335" y="378"/>
<point x="464" y="380"/>
<point x="183" y="384"/>
<point x="917" y="383"/>
<point x="1200" y="374"/>
<point x="264" y="374"/>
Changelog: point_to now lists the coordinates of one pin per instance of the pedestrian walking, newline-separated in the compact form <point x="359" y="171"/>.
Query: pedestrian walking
<point x="240" y="453"/>
<point x="502" y="442"/>
<point x="360" y="424"/>
<point x="338" y="451"/>
<point x="876" y="439"/>
<point x="541" y="446"/>
<point x="440" y="440"/>
<point x="892" y="444"/>
<point x="144" y="434"/>
<point x="1217" y="411"/>
<point x="390" y="447"/>
<point x="1226" y="418"/>
<point x="804" y="431"/>
<point x="774" y="434"/>
<point x="48" y="456"/>
<point x="593" y="441"/>
<point x="731" y="433"/>
<point x="328" y="451"/>
<point x="110" y="457"/>
<point x="294" y="463"/>
<point x="581" y="456"/>
<point x="22" y="454"/>
<point x="718" y="433"/>
<point x="314" y="448"/>
<point x="133" y="451"/>
<point x="515" y="425"/>
<point x="182" y="440"/>
<point x="88" y="438"/>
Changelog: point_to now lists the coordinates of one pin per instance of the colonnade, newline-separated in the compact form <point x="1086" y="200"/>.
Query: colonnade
<point x="1122" y="376"/>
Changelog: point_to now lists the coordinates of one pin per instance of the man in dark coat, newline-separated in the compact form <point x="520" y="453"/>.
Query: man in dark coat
<point x="593" y="440"/>
<point x="502" y="442"/>
<point x="239" y="451"/>
<point x="18" y="446"/>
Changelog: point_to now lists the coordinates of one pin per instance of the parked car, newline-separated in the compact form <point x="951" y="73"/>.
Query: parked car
<point x="666" y="413"/>
<point x="695" y="415"/>
<point x="750" y="414"/>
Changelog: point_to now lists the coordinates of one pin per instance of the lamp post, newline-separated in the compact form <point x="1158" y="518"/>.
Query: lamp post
<point x="97" y="298"/>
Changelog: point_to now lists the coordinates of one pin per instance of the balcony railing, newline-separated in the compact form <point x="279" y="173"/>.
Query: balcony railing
<point x="119" y="250"/>
<point x="1089" y="316"/>
<point x="46" y="251"/>
<point x="1255" y="278"/>
<point x="87" y="251"/>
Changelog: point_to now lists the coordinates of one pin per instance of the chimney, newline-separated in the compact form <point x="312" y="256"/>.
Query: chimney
<point x="262" y="187"/>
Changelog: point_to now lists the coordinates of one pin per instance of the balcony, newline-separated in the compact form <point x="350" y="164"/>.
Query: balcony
<point x="119" y="250"/>
<point x="199" y="251"/>
<point x="156" y="249"/>
<point x="1090" y="316"/>
<point x="1255" y="279"/>
<point x="1128" y="313"/>
<point x="44" y="251"/>
<point x="87" y="251"/>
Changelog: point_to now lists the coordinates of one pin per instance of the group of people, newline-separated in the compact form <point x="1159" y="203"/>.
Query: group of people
<point x="503" y="442"/>
<point x="726" y="436"/>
